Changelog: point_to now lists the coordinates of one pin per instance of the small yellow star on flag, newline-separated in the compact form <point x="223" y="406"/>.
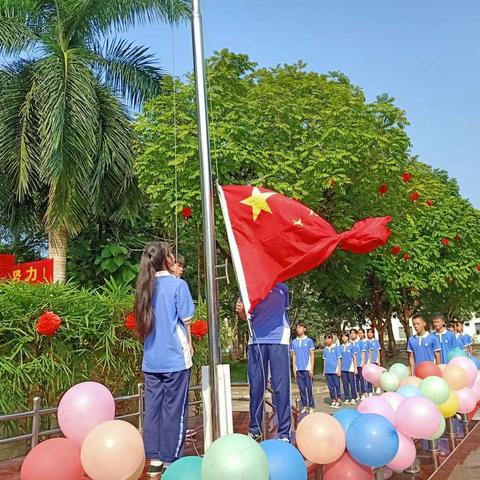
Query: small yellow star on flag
<point x="258" y="201"/>
<point x="298" y="223"/>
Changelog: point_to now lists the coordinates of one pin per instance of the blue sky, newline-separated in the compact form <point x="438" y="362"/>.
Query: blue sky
<point x="425" y="53"/>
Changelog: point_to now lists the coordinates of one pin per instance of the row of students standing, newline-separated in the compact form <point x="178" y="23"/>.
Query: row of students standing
<point x="346" y="361"/>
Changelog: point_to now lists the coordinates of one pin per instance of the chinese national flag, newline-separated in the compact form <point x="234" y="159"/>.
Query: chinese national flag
<point x="274" y="238"/>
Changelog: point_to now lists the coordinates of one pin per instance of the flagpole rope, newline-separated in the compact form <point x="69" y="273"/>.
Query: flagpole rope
<point x="174" y="84"/>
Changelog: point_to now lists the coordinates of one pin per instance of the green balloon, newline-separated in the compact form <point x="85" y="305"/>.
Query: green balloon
<point x="399" y="370"/>
<point x="186" y="468"/>
<point x="436" y="389"/>
<point x="440" y="431"/>
<point x="456" y="352"/>
<point x="235" y="457"/>
<point x="389" y="382"/>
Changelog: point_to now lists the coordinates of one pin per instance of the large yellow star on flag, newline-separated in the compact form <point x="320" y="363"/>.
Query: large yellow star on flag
<point x="258" y="201"/>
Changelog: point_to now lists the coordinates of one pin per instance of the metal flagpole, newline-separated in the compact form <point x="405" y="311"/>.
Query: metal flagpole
<point x="207" y="204"/>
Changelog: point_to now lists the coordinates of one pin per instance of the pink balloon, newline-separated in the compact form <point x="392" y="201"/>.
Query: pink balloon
<point x="467" y="400"/>
<point x="377" y="377"/>
<point x="83" y="407"/>
<point x="369" y="371"/>
<point x="346" y="468"/>
<point x="406" y="454"/>
<point x="418" y="417"/>
<point x="379" y="406"/>
<point x="476" y="388"/>
<point x="468" y="365"/>
<point x="54" y="459"/>
<point x="394" y="399"/>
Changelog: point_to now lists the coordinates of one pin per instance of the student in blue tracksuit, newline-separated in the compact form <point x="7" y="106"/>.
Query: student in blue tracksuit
<point x="372" y="354"/>
<point x="464" y="340"/>
<point x="349" y="367"/>
<point x="446" y="339"/>
<point x="360" y="350"/>
<point x="269" y="347"/>
<point x="423" y="346"/>
<point x="332" y="369"/>
<point x="303" y="362"/>
<point x="163" y="309"/>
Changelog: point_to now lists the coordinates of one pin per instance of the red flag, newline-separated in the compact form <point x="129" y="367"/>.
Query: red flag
<point x="274" y="238"/>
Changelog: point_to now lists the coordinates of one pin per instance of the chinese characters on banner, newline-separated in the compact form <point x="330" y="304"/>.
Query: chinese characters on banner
<point x="40" y="271"/>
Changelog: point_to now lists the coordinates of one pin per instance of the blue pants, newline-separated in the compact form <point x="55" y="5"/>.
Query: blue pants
<point x="305" y="385"/>
<point x="360" y="382"/>
<point x="166" y="414"/>
<point x="348" y="380"/>
<point x="260" y="356"/>
<point x="333" y="381"/>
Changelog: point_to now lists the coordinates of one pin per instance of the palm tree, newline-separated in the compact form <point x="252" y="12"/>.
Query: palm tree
<point x="65" y="134"/>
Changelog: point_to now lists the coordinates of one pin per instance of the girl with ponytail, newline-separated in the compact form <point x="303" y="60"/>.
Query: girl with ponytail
<point x="164" y="308"/>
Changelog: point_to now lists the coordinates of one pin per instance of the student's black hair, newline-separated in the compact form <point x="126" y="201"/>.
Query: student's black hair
<point x="328" y="335"/>
<point x="418" y="316"/>
<point x="180" y="259"/>
<point x="361" y="330"/>
<point x="440" y="316"/>
<point x="301" y="324"/>
<point x="459" y="322"/>
<point x="153" y="260"/>
<point x="450" y="325"/>
<point x="345" y="334"/>
<point x="371" y="330"/>
<point x="354" y="330"/>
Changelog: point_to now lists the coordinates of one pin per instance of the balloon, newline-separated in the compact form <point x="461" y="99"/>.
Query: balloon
<point x="476" y="388"/>
<point x="346" y="468"/>
<point x="442" y="367"/>
<point x="418" y="417"/>
<point x="372" y="440"/>
<point x="320" y="438"/>
<point x="406" y="454"/>
<point x="346" y="416"/>
<point x="284" y="461"/>
<point x="54" y="459"/>
<point x="450" y="407"/>
<point x="393" y="398"/>
<point x="456" y="352"/>
<point x="467" y="401"/>
<point x="468" y="366"/>
<point x="400" y="370"/>
<point x="440" y="431"/>
<point x="377" y="377"/>
<point x="113" y="451"/>
<point x="427" y="369"/>
<point x="476" y="361"/>
<point x="389" y="382"/>
<point x="186" y="468"/>
<point x="83" y="407"/>
<point x="409" y="391"/>
<point x="414" y="381"/>
<point x="371" y="372"/>
<point x="235" y="457"/>
<point x="455" y="376"/>
<point x="436" y="389"/>
<point x="377" y="405"/>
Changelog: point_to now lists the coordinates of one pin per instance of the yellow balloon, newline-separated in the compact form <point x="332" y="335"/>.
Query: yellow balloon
<point x="450" y="407"/>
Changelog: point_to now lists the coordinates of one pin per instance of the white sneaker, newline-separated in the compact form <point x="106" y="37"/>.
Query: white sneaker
<point x="370" y="394"/>
<point x="304" y="410"/>
<point x="311" y="410"/>
<point x="335" y="405"/>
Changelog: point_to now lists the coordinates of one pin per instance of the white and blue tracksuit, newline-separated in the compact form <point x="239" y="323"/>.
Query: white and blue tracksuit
<point x="166" y="367"/>
<point x="302" y="347"/>
<point x="269" y="347"/>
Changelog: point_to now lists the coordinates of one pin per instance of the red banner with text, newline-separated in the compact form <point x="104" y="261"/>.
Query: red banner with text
<point x="39" y="271"/>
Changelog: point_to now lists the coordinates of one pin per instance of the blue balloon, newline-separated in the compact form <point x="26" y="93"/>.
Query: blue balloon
<point x="456" y="352"/>
<point x="476" y="361"/>
<point x="186" y="468"/>
<point x="284" y="461"/>
<point x="372" y="440"/>
<point x="409" y="391"/>
<point x="346" y="416"/>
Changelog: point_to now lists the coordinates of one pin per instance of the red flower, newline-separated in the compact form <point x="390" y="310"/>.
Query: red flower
<point x="48" y="324"/>
<point x="199" y="329"/>
<point x="396" y="250"/>
<point x="478" y="267"/>
<point x="445" y="241"/>
<point x="457" y="237"/>
<point x="407" y="177"/>
<point x="429" y="203"/>
<point x="131" y="321"/>
<point x="414" y="196"/>
<point x="406" y="257"/>
<point x="383" y="189"/>
<point x="186" y="213"/>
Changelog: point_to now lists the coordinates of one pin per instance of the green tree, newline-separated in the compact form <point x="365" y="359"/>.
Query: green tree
<point x="64" y="129"/>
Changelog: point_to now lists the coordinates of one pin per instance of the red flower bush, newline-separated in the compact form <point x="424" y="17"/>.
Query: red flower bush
<point x="131" y="321"/>
<point x="383" y="189"/>
<point x="406" y="177"/>
<point x="429" y="203"/>
<point x="406" y="257"/>
<point x="186" y="213"/>
<point x="199" y="329"/>
<point x="48" y="324"/>
<point x="396" y="250"/>
<point x="445" y="241"/>
<point x="414" y="196"/>
<point x="457" y="237"/>
<point x="478" y="267"/>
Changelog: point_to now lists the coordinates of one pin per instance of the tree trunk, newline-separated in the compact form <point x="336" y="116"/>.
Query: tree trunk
<point x="57" y="249"/>
<point x="391" y="337"/>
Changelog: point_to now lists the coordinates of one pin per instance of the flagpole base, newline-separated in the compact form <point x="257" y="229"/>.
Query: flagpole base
<point x="433" y="446"/>
<point x="450" y="427"/>
<point x="414" y="469"/>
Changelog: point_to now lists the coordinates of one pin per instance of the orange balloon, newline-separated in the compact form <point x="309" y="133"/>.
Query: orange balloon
<point x="321" y="438"/>
<point x="411" y="380"/>
<point x="113" y="451"/>
<point x="456" y="377"/>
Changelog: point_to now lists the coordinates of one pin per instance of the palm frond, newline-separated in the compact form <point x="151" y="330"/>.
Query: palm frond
<point x="15" y="36"/>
